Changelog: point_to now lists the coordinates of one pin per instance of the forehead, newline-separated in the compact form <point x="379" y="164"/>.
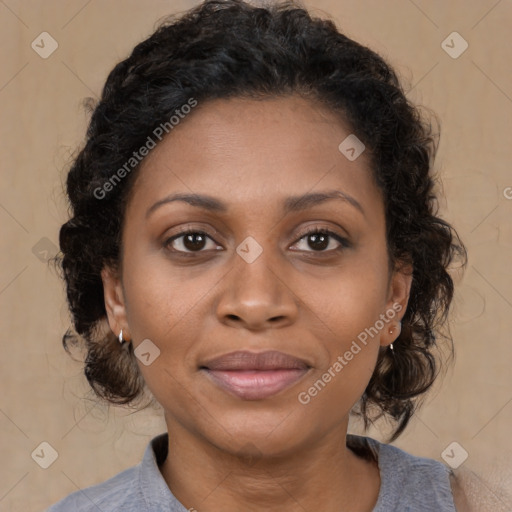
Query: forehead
<point x="254" y="153"/>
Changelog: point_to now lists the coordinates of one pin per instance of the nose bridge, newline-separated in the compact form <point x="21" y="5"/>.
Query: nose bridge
<point x="256" y="293"/>
<point x="255" y="269"/>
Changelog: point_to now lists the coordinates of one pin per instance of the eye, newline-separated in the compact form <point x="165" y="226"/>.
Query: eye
<point x="195" y="241"/>
<point x="189" y="242"/>
<point x="320" y="239"/>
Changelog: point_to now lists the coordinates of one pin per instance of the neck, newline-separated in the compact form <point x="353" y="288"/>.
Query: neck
<point x="325" y="476"/>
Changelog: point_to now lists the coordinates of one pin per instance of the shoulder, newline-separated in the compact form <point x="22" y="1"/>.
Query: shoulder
<point x="480" y="493"/>
<point x="409" y="482"/>
<point x="460" y="494"/>
<point x="420" y="475"/>
<point x="118" y="493"/>
<point x="135" y="489"/>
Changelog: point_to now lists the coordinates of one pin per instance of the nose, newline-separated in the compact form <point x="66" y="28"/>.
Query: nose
<point x="257" y="296"/>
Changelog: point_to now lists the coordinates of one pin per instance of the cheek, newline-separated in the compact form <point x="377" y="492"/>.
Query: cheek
<point x="333" y="393"/>
<point x="165" y="311"/>
<point x="347" y="299"/>
<point x="160" y="298"/>
<point x="345" y="310"/>
<point x="160" y="307"/>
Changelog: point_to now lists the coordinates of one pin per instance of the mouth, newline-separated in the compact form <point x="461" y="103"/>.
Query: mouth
<point x="255" y="376"/>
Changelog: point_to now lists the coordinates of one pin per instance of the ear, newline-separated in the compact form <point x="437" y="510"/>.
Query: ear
<point x="396" y="305"/>
<point x="115" y="302"/>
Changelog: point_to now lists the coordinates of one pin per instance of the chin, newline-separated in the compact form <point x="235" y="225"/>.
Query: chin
<point x="271" y="432"/>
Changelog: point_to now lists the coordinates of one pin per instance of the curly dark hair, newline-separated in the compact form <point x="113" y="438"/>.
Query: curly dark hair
<point x="223" y="49"/>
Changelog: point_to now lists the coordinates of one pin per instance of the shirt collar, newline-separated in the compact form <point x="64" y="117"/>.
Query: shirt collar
<point x="154" y="489"/>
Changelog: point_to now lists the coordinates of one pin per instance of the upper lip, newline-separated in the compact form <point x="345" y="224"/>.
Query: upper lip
<point x="245" y="360"/>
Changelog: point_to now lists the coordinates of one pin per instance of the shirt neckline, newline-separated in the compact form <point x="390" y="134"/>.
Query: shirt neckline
<point x="155" y="490"/>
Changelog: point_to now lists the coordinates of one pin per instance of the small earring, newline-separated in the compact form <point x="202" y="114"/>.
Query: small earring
<point x="391" y="330"/>
<point x="121" y="337"/>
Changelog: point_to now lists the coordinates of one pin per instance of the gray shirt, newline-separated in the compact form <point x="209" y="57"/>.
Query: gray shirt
<point x="408" y="483"/>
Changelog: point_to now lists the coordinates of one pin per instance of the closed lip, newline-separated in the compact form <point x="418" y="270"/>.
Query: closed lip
<point x="255" y="376"/>
<point x="244" y="360"/>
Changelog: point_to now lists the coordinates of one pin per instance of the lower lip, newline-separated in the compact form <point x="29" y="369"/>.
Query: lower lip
<point x="255" y="384"/>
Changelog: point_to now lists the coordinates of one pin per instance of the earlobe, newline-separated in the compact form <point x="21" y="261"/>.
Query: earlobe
<point x="400" y="288"/>
<point x="114" y="301"/>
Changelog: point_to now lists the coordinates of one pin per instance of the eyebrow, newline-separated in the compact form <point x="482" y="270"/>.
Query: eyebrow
<point x="291" y="204"/>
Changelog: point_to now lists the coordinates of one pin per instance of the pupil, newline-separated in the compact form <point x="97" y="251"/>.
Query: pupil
<point x="194" y="241"/>
<point x="318" y="241"/>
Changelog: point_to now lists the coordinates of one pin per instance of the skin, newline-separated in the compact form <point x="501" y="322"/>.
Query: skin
<point x="228" y="454"/>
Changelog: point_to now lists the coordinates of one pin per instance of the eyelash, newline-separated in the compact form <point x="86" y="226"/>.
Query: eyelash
<point x="344" y="243"/>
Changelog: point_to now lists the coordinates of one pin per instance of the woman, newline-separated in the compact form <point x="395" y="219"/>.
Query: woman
<point x="254" y="241"/>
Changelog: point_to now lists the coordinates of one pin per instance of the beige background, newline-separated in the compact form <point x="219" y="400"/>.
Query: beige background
<point x="45" y="397"/>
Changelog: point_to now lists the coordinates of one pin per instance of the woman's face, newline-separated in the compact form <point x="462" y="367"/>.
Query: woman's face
<point x="256" y="173"/>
